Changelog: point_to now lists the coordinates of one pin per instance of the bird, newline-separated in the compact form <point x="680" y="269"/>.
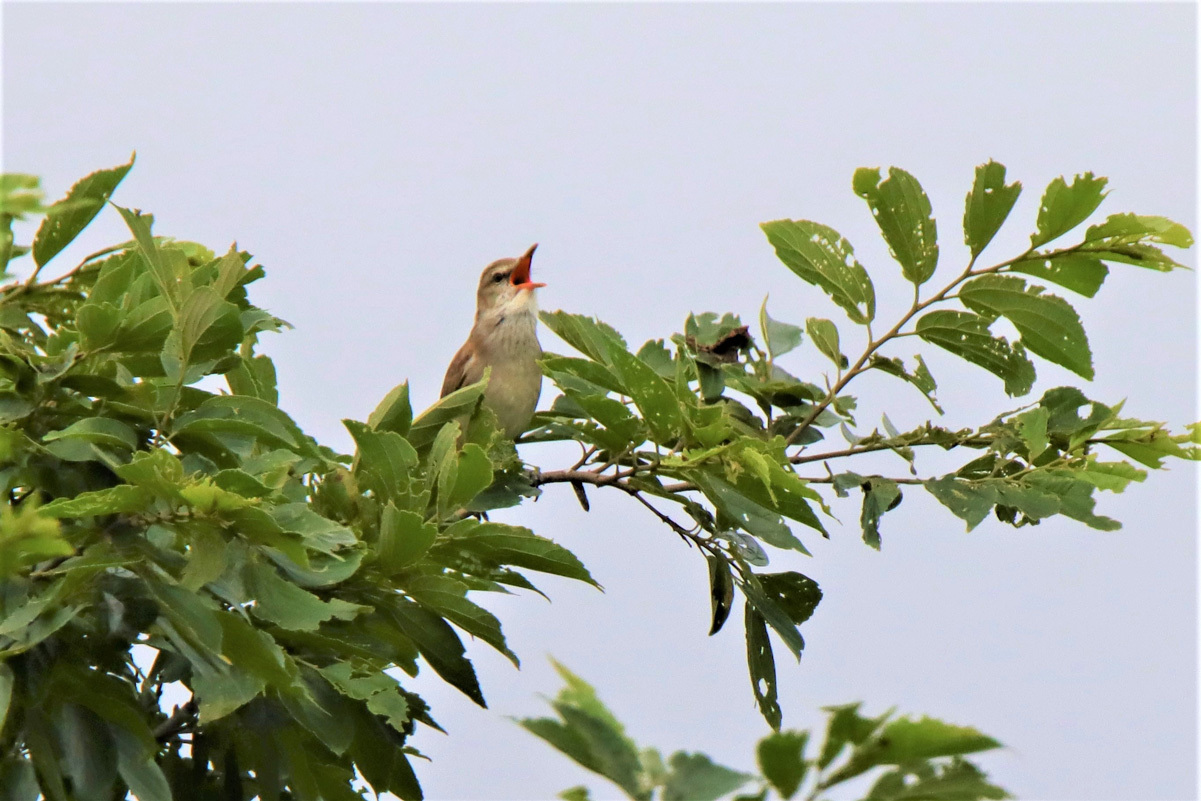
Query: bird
<point x="504" y="337"/>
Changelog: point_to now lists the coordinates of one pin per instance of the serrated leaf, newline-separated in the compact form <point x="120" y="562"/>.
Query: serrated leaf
<point x="66" y="218"/>
<point x="966" y="335"/>
<point x="825" y="336"/>
<point x="501" y="544"/>
<point x="448" y="598"/>
<point x="796" y="595"/>
<point x="967" y="500"/>
<point x="775" y="616"/>
<point x="1137" y="227"/>
<point x="425" y="426"/>
<point x="695" y="777"/>
<point x="919" y="378"/>
<point x="905" y="217"/>
<point x="439" y="644"/>
<point x="987" y="206"/>
<point x="779" y="337"/>
<point x="588" y="335"/>
<point x="1032" y="428"/>
<point x="122" y="498"/>
<point x="1064" y="206"/>
<point x="1048" y="324"/>
<point x="1080" y="272"/>
<point x="822" y="257"/>
<point x="846" y="726"/>
<point x="781" y="757"/>
<point x="290" y="607"/>
<point x="904" y="742"/>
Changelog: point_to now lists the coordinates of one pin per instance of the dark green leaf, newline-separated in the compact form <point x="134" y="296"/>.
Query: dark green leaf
<point x="903" y="213"/>
<point x="66" y="218"/>
<point x="114" y="500"/>
<point x="1048" y="324"/>
<point x="439" y="644"/>
<point x="1064" y="206"/>
<point x="820" y="256"/>
<point x="101" y="430"/>
<point x="500" y="544"/>
<point x="987" y="205"/>
<point x="721" y="591"/>
<point x="795" y="594"/>
<point x="762" y="666"/>
<point x="904" y="742"/>
<point x="846" y="725"/>
<point x="587" y="335"/>
<point x="138" y="769"/>
<point x="650" y="393"/>
<point x="967" y="336"/>
<point x="290" y="607"/>
<point x="448" y="598"/>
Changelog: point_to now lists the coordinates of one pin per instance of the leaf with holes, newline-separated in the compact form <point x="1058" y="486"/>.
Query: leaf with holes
<point x="966" y="335"/>
<point x="822" y="257"/>
<point x="69" y="216"/>
<point x="1048" y="324"/>
<point x="1064" y="206"/>
<point x="987" y="206"/>
<point x="905" y="217"/>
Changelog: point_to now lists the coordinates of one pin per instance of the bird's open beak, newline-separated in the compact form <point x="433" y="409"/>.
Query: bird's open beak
<point x="521" y="272"/>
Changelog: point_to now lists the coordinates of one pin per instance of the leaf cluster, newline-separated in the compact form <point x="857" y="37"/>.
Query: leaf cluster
<point x="198" y="600"/>
<point x="910" y="759"/>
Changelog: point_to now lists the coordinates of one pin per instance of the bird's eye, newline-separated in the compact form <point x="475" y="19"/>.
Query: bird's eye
<point x="496" y="279"/>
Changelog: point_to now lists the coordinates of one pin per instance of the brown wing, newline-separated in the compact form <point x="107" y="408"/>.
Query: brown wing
<point x="464" y="369"/>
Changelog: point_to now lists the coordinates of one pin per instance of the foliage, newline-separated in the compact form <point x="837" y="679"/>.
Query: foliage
<point x="912" y="759"/>
<point x="198" y="599"/>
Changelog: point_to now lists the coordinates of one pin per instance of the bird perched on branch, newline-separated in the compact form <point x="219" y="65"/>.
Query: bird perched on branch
<point x="504" y="338"/>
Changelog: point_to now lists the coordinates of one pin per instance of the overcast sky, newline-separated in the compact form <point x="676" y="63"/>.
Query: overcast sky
<point x="375" y="157"/>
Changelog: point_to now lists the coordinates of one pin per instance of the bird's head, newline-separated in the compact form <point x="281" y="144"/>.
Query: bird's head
<point x="506" y="287"/>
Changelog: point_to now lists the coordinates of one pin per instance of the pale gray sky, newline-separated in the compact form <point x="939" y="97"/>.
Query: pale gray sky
<point x="375" y="157"/>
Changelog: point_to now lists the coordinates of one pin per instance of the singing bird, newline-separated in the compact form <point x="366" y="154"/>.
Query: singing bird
<point x="504" y="338"/>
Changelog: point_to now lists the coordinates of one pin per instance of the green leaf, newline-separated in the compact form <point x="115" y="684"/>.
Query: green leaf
<point x="968" y="500"/>
<point x="721" y="591"/>
<point x="138" y="768"/>
<point x="448" y="598"/>
<point x="1080" y="272"/>
<point x="6" y="691"/>
<point x="825" y="336"/>
<point x="919" y="378"/>
<point x="20" y="194"/>
<point x="820" y="256"/>
<point x="18" y="781"/>
<point x="1032" y="428"/>
<point x="439" y="644"/>
<point x="959" y="780"/>
<point x="290" y="607"/>
<point x="1112" y="476"/>
<point x="779" y="337"/>
<point x="1125" y="228"/>
<point x="381" y="692"/>
<point x="1064" y="206"/>
<point x="796" y="595"/>
<point x="385" y="461"/>
<point x="162" y="268"/>
<point x="879" y="496"/>
<point x="987" y="206"/>
<point x="845" y="726"/>
<point x="66" y="218"/>
<point x="207" y="551"/>
<point x="781" y="758"/>
<point x="776" y="617"/>
<point x="122" y="498"/>
<point x="903" y="213"/>
<point x="100" y="430"/>
<point x="762" y="521"/>
<point x="474" y="475"/>
<point x="589" y="336"/>
<point x="97" y="324"/>
<point x="904" y="742"/>
<point x="966" y="335"/>
<point x="650" y="393"/>
<point x="501" y="544"/>
<point x="394" y="413"/>
<point x="762" y="666"/>
<point x="1048" y="324"/>
<point x="462" y="402"/>
<point x="1075" y="497"/>
<point x="695" y="777"/>
<point x="404" y="538"/>
<point x="577" y="793"/>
